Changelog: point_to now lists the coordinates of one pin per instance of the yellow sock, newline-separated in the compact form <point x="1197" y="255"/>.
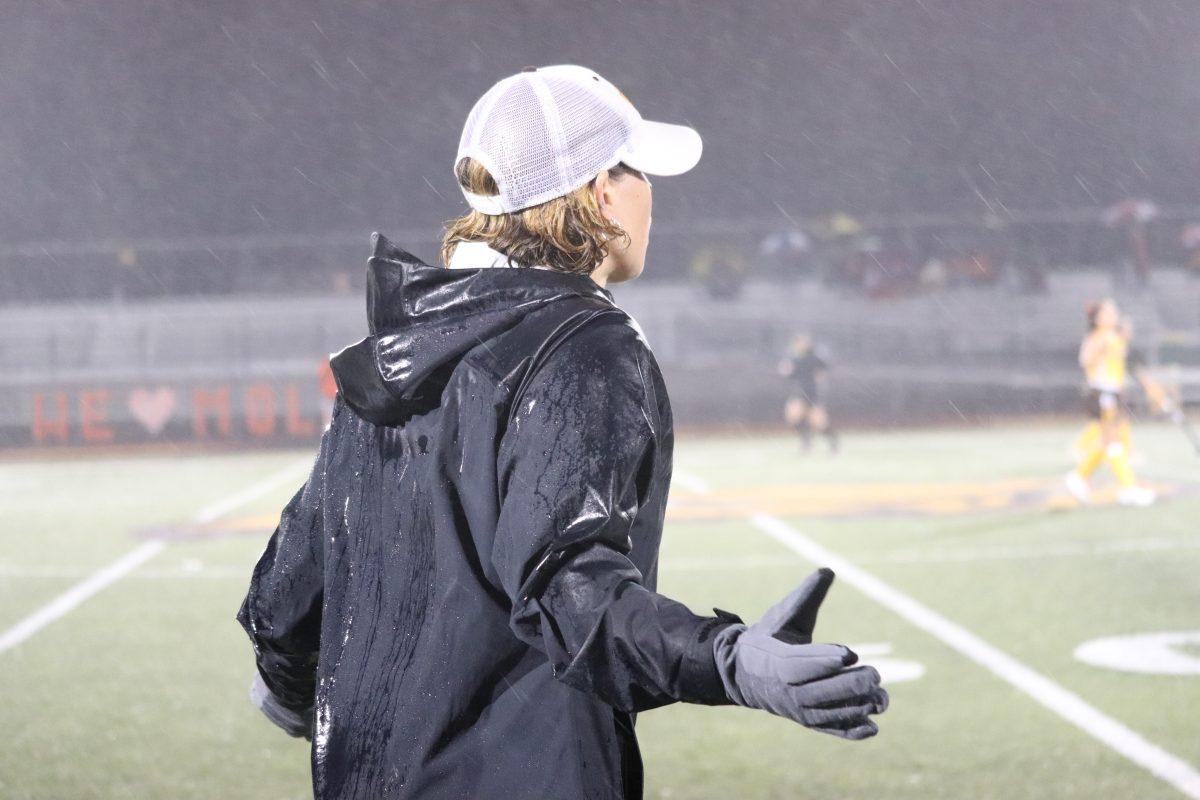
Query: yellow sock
<point x="1118" y="459"/>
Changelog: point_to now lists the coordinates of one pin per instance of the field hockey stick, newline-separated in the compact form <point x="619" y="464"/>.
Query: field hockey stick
<point x="1157" y="395"/>
<point x="1180" y="419"/>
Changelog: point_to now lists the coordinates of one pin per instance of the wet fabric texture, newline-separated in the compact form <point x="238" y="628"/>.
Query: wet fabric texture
<point x="462" y="594"/>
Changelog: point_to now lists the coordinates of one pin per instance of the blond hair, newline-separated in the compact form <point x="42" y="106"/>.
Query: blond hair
<point x="568" y="233"/>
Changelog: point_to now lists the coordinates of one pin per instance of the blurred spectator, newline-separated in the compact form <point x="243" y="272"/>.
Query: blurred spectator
<point x="1189" y="238"/>
<point x="886" y="269"/>
<point x="787" y="250"/>
<point x="1132" y="215"/>
<point x="934" y="275"/>
<point x="721" y="271"/>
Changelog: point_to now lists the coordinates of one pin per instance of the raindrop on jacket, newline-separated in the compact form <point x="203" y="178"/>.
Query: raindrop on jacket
<point x="462" y="594"/>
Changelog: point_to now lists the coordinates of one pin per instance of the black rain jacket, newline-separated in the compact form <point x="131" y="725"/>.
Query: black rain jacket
<point x="462" y="594"/>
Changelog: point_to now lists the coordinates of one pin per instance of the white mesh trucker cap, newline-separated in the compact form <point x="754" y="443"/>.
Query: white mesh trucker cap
<point x="545" y="132"/>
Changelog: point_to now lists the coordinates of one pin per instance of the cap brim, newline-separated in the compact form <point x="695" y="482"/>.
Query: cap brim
<point x="659" y="148"/>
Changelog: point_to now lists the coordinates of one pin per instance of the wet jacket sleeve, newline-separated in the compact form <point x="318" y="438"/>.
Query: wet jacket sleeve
<point x="575" y="467"/>
<point x="282" y="609"/>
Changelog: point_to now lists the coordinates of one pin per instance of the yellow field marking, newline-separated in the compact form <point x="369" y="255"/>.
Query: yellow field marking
<point x="808" y="500"/>
<point x="884" y="499"/>
<point x="254" y="524"/>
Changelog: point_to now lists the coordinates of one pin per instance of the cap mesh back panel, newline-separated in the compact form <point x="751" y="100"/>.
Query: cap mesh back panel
<point x="513" y="128"/>
<point x="592" y="130"/>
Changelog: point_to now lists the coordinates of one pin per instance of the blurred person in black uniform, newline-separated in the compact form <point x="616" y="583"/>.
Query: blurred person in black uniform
<point x="805" y="410"/>
<point x="460" y="602"/>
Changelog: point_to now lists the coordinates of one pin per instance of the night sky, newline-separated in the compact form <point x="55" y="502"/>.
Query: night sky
<point x="149" y="118"/>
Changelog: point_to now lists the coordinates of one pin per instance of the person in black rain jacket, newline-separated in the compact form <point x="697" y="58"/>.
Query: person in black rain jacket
<point x="460" y="601"/>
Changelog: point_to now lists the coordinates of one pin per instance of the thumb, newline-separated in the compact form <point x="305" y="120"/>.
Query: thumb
<point x="792" y="619"/>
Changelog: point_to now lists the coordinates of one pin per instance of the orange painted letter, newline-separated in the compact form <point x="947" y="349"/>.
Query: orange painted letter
<point x="297" y="423"/>
<point x="58" y="427"/>
<point x="204" y="402"/>
<point x="93" y="415"/>
<point x="260" y="410"/>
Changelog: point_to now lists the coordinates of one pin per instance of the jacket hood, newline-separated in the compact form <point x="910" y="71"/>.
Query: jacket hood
<point x="423" y="319"/>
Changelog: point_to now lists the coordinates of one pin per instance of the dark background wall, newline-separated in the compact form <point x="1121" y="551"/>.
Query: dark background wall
<point x="168" y="118"/>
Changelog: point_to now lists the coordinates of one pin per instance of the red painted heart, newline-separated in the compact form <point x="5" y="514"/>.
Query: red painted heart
<point x="152" y="408"/>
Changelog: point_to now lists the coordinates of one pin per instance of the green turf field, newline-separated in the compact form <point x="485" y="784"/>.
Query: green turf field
<point x="140" y="690"/>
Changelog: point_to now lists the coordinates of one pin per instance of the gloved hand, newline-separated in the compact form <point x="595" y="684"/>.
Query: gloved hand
<point x="289" y="721"/>
<point x="773" y="665"/>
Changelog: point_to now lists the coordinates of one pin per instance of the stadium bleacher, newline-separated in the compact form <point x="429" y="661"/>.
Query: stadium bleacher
<point x="972" y="350"/>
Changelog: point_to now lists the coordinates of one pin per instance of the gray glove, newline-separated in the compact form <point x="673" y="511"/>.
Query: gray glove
<point x="773" y="665"/>
<point x="293" y="724"/>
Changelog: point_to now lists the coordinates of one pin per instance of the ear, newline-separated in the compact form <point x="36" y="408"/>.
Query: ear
<point x="602" y="189"/>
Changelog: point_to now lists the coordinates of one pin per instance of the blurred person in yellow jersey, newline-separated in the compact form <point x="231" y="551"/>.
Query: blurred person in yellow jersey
<point x="1104" y="357"/>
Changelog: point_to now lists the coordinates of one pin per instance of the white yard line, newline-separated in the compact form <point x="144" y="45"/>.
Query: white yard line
<point x="252" y="492"/>
<point x="106" y="576"/>
<point x="68" y="600"/>
<point x="1066" y="704"/>
<point x="181" y="573"/>
<point x="185" y="572"/>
